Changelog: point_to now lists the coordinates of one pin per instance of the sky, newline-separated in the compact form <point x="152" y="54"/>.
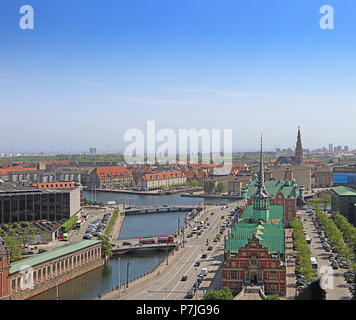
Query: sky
<point x="90" y="70"/>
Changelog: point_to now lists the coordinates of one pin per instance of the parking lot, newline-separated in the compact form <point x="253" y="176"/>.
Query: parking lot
<point x="95" y="216"/>
<point x="338" y="287"/>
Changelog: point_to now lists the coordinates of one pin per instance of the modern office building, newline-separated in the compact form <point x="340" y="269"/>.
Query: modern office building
<point x="31" y="204"/>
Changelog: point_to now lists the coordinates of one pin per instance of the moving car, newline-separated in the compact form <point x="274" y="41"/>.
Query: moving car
<point x="203" y="255"/>
<point x="184" y="278"/>
<point x="210" y="248"/>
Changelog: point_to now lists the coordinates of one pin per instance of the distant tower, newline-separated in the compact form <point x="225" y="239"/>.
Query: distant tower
<point x="299" y="149"/>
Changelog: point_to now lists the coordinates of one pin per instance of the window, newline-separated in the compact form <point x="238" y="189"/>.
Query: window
<point x="13" y="284"/>
<point x="273" y="275"/>
<point x="233" y="274"/>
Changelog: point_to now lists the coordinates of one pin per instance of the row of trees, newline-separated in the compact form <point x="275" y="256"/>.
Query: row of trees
<point x="112" y="222"/>
<point x="303" y="263"/>
<point x="347" y="229"/>
<point x="88" y="202"/>
<point x="336" y="238"/>
<point x="69" y="224"/>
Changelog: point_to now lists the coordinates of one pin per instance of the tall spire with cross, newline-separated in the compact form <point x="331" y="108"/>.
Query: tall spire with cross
<point x="261" y="196"/>
<point x="299" y="149"/>
<point x="261" y="191"/>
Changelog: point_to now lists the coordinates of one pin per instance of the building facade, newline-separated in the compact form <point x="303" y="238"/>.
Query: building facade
<point x="343" y="201"/>
<point x="4" y="270"/>
<point x="152" y="181"/>
<point x="110" y="177"/>
<point x="35" y="204"/>
<point x="41" y="272"/>
<point x="254" y="251"/>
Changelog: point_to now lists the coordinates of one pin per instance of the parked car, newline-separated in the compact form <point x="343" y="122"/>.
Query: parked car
<point x="197" y="264"/>
<point x="334" y="265"/>
<point x="126" y="243"/>
<point x="190" y="294"/>
<point x="204" y="255"/>
<point x="210" y="248"/>
<point x="87" y="236"/>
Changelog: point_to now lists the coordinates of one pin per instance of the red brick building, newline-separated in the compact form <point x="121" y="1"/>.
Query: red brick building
<point x="254" y="264"/>
<point x="4" y="270"/>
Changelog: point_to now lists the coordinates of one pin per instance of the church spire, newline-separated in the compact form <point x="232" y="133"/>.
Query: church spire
<point x="261" y="192"/>
<point x="299" y="149"/>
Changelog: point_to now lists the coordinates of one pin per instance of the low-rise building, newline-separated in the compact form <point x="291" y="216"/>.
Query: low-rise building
<point x="343" y="201"/>
<point x="110" y="177"/>
<point x="152" y="181"/>
<point x="31" y="276"/>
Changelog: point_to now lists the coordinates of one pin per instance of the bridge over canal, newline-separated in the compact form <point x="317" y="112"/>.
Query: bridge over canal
<point x="119" y="248"/>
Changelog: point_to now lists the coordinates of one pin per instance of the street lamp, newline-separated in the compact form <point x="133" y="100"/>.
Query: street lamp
<point x="118" y="265"/>
<point x="127" y="272"/>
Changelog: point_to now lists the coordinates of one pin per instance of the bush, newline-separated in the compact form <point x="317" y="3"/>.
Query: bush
<point x="24" y="224"/>
<point x="69" y="224"/>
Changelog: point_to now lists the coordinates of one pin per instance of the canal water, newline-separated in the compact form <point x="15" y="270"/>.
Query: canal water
<point x="103" y="279"/>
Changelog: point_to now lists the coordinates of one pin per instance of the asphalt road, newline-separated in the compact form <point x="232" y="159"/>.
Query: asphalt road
<point x="168" y="284"/>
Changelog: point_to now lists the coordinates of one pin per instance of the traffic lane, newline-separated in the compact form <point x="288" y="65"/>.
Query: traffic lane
<point x="165" y="282"/>
<point x="161" y="284"/>
<point x="192" y="272"/>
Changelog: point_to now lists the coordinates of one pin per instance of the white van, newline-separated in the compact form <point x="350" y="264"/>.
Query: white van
<point x="204" y="271"/>
<point x="314" y="263"/>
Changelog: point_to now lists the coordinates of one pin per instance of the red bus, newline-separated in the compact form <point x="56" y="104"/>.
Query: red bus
<point x="165" y="239"/>
<point x="146" y="240"/>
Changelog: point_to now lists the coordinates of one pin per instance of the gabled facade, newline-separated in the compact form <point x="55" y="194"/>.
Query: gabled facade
<point x="255" y="248"/>
<point x="110" y="177"/>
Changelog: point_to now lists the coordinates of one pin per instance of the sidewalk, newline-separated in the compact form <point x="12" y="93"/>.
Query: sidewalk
<point x="290" y="266"/>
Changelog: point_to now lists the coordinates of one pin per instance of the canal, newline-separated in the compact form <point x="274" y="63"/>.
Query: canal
<point x="101" y="280"/>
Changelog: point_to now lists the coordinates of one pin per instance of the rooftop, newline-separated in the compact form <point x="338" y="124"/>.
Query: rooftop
<point x="344" y="191"/>
<point x="52" y="254"/>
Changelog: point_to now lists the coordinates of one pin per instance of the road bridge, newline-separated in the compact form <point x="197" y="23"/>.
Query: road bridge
<point x="161" y="209"/>
<point x="120" y="249"/>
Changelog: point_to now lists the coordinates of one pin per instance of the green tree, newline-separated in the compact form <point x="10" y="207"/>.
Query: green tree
<point x="14" y="246"/>
<point x="272" y="297"/>
<point x="224" y="294"/>
<point x="220" y="188"/>
<point x="105" y="246"/>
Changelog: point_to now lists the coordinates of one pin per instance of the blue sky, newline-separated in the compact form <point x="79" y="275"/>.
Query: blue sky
<point x="92" y="69"/>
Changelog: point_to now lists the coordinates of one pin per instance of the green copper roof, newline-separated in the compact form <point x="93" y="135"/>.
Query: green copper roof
<point x="270" y="234"/>
<point x="276" y="214"/>
<point x="286" y="187"/>
<point x="344" y="191"/>
<point x="51" y="254"/>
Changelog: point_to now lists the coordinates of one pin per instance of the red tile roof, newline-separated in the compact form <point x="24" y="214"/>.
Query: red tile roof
<point x="163" y="175"/>
<point x="15" y="169"/>
<point x="112" y="172"/>
<point x="55" y="185"/>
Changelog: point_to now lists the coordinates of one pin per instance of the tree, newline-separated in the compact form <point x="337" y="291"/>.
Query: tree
<point x="14" y="246"/>
<point x="105" y="246"/>
<point x="220" y="188"/>
<point x="224" y="294"/>
<point x="272" y="297"/>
